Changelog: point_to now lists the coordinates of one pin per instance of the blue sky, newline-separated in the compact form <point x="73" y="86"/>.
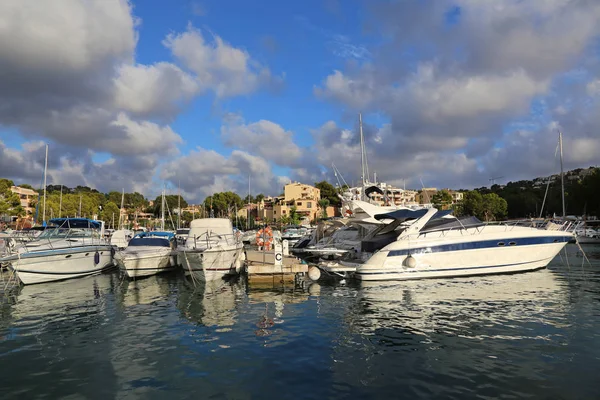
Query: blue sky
<point x="135" y="94"/>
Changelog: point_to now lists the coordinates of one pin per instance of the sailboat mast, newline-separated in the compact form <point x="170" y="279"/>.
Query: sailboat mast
<point x="45" y="173"/>
<point x="248" y="205"/>
<point x="80" y="196"/>
<point x="562" y="174"/>
<point x="162" y="208"/>
<point x="362" y="149"/>
<point x="60" y="204"/>
<point x="179" y="207"/>
<point x="121" y="210"/>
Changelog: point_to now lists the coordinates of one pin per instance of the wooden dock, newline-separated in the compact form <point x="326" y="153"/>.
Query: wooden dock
<point x="262" y="267"/>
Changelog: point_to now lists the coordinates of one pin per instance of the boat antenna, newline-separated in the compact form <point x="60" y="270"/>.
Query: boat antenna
<point x="562" y="174"/>
<point x="45" y="173"/>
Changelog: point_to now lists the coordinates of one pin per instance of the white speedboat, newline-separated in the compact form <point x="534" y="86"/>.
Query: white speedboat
<point x="148" y="254"/>
<point x="212" y="250"/>
<point x="67" y="248"/>
<point x="434" y="247"/>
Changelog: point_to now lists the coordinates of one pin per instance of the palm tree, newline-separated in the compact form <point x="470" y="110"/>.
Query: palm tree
<point x="323" y="204"/>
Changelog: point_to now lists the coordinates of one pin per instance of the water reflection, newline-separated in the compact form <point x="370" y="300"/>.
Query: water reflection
<point x="469" y="307"/>
<point x="210" y="303"/>
<point x="145" y="291"/>
<point x="57" y="329"/>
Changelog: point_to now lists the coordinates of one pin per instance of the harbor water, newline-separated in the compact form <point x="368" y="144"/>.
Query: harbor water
<point x="531" y="335"/>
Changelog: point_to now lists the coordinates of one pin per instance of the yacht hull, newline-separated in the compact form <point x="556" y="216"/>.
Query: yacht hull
<point x="211" y="264"/>
<point x="57" y="265"/>
<point x="461" y="258"/>
<point x="138" y="266"/>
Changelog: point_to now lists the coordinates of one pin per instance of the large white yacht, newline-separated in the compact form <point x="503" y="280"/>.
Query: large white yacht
<point x="435" y="247"/>
<point x="148" y="253"/>
<point x="67" y="248"/>
<point x="212" y="250"/>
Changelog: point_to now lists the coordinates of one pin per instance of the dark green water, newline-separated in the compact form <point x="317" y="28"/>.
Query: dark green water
<point x="533" y="335"/>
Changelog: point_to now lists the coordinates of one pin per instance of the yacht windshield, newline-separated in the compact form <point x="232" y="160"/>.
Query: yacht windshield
<point x="158" y="242"/>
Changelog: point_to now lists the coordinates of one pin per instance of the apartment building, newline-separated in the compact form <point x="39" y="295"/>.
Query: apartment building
<point x="26" y="196"/>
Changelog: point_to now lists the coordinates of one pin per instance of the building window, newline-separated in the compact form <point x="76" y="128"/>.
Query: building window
<point x="274" y="211"/>
<point x="283" y="212"/>
<point x="308" y="204"/>
<point x="299" y="203"/>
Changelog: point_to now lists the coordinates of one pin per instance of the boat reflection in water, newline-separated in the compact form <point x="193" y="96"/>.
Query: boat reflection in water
<point x="58" y="301"/>
<point x="210" y="303"/>
<point x="149" y="290"/>
<point x="470" y="307"/>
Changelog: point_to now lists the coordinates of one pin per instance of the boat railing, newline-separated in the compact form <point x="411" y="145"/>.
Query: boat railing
<point x="478" y="228"/>
<point x="211" y="239"/>
<point x="68" y="237"/>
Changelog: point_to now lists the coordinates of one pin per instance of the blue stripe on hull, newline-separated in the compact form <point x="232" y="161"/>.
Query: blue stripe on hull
<point x="483" y="244"/>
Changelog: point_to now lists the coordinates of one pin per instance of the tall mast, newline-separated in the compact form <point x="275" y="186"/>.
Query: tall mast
<point x="362" y="149"/>
<point x="248" y="206"/>
<point x="45" y="172"/>
<point x="162" y="208"/>
<point x="80" y="196"/>
<point x="562" y="174"/>
<point x="179" y="207"/>
<point x="121" y="210"/>
<point x="60" y="204"/>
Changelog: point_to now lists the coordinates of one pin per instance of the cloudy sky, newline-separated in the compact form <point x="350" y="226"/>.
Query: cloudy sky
<point x="203" y="94"/>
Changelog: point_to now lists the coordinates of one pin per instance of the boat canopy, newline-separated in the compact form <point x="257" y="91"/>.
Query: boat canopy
<point x="218" y="226"/>
<point x="167" y="235"/>
<point x="373" y="189"/>
<point x="75" y="223"/>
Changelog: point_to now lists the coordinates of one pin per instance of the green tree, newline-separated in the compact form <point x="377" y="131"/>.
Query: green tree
<point x="172" y="201"/>
<point x="294" y="216"/>
<point x="471" y="204"/>
<point x="110" y="214"/>
<point x="323" y="204"/>
<point x="10" y="203"/>
<point x="223" y="203"/>
<point x="329" y="192"/>
<point x="259" y="197"/>
<point x="442" y="200"/>
<point x="494" y="207"/>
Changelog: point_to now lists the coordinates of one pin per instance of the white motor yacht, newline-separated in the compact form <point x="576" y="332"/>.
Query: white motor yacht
<point x="148" y="253"/>
<point x="212" y="250"/>
<point x="67" y="248"/>
<point x="434" y="247"/>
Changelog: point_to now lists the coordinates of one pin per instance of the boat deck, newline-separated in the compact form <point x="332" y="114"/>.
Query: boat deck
<point x="261" y="266"/>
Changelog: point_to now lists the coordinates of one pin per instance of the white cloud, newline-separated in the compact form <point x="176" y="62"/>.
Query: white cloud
<point x="451" y="91"/>
<point x="227" y="70"/>
<point x="203" y="172"/>
<point x="158" y="89"/>
<point x="264" y="138"/>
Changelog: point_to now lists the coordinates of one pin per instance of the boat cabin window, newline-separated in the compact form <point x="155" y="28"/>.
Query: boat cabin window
<point x="159" y="242"/>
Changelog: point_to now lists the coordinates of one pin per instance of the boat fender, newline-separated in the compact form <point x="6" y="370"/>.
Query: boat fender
<point x="410" y="262"/>
<point x="314" y="273"/>
<point x="96" y="258"/>
<point x="112" y="252"/>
